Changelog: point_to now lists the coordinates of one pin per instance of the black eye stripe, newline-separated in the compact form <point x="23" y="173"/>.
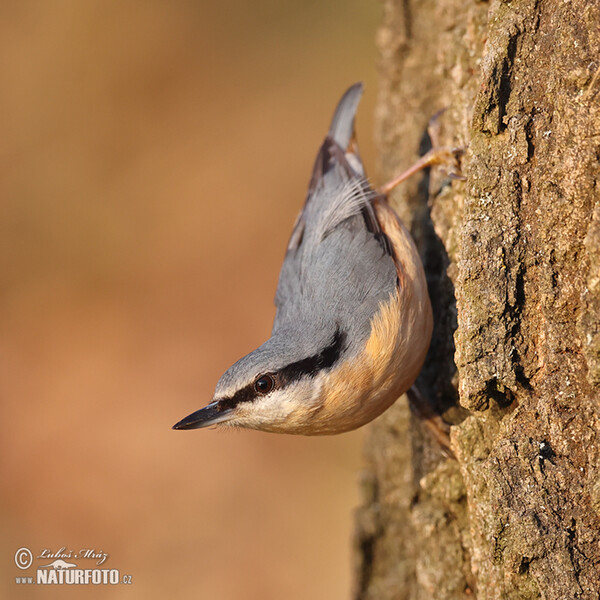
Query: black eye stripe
<point x="310" y="366"/>
<point x="313" y="364"/>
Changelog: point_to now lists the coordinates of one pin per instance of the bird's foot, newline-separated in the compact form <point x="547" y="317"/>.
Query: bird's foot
<point x="448" y="157"/>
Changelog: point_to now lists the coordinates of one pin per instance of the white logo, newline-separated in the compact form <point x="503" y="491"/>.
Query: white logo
<point x="58" y="564"/>
<point x="23" y="558"/>
<point x="61" y="571"/>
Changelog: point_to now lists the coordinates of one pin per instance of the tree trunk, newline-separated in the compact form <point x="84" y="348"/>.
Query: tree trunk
<point x="513" y="259"/>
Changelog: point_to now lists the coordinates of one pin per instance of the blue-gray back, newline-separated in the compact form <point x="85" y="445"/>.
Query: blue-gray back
<point x="338" y="268"/>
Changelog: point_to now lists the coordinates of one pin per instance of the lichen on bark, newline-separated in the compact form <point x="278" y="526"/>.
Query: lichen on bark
<point x="513" y="261"/>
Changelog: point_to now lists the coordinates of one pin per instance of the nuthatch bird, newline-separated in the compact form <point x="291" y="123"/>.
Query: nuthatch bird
<point x="353" y="321"/>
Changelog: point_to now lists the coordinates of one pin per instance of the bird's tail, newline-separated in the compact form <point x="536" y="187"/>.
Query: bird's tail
<point x="341" y="129"/>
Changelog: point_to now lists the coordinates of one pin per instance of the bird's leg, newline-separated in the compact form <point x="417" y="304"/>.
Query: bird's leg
<point x="448" y="156"/>
<point x="434" y="423"/>
<point x="445" y="155"/>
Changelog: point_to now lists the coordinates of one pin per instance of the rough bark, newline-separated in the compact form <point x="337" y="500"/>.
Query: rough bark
<point x="513" y="259"/>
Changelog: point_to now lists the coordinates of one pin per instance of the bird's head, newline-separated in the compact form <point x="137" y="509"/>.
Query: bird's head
<point x="277" y="387"/>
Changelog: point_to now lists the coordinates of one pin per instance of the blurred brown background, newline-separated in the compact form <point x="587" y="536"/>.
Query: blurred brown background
<point x="153" y="158"/>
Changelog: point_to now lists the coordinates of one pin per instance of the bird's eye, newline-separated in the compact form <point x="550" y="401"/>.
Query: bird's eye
<point x="264" y="384"/>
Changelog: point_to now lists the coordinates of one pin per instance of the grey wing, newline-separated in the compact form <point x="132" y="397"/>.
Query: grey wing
<point x="338" y="283"/>
<point x="334" y="260"/>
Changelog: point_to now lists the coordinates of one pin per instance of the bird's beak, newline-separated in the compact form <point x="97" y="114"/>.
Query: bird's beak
<point x="209" y="415"/>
